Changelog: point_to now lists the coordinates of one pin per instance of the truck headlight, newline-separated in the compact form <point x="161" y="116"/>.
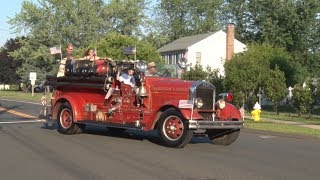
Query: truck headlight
<point x="221" y="103"/>
<point x="198" y="102"/>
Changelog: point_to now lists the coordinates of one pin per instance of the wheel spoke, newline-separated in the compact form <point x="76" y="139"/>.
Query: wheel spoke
<point x="173" y="128"/>
<point x="66" y="118"/>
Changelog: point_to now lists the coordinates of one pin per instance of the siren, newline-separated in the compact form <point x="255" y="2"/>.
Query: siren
<point x="140" y="66"/>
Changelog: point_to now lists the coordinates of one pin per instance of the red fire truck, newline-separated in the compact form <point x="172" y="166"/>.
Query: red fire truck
<point x="89" y="92"/>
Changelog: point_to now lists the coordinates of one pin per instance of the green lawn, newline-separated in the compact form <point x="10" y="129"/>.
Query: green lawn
<point x="20" y="95"/>
<point x="315" y="119"/>
<point x="282" y="128"/>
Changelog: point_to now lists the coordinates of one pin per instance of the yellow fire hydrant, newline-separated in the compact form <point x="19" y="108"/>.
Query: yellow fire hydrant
<point x="255" y="113"/>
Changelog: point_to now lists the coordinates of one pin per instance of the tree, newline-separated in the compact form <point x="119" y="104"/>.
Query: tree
<point x="302" y="98"/>
<point x="195" y="73"/>
<point x="275" y="87"/>
<point x="216" y="79"/>
<point x="237" y="11"/>
<point x="35" y="58"/>
<point x="315" y="89"/>
<point x="309" y="65"/>
<point x="9" y="66"/>
<point x="112" y="45"/>
<point x="60" y="22"/>
<point x="180" y="18"/>
<point x="246" y="72"/>
<point x="80" y="22"/>
<point x="127" y="16"/>
<point x="289" y="24"/>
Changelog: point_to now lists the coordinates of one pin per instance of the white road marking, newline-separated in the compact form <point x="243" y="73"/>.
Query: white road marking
<point x="266" y="136"/>
<point x="20" y="122"/>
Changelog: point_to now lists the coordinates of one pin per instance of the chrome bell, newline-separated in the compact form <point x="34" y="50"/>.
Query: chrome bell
<point x="142" y="90"/>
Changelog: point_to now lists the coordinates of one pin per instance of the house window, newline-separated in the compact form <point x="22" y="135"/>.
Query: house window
<point x="177" y="57"/>
<point x="198" y="57"/>
<point x="170" y="59"/>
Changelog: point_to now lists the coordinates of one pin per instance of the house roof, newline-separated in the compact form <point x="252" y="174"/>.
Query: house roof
<point x="184" y="42"/>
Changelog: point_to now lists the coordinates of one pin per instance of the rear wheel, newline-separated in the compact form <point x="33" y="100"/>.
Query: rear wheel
<point x="223" y="137"/>
<point x="173" y="129"/>
<point x="66" y="124"/>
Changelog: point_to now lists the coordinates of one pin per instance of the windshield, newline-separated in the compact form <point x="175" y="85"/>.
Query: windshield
<point x="168" y="71"/>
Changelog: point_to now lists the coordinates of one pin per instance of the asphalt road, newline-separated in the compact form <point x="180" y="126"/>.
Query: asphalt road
<point x="32" y="151"/>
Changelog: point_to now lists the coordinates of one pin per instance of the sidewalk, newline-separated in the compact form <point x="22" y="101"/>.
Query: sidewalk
<point x="312" y="126"/>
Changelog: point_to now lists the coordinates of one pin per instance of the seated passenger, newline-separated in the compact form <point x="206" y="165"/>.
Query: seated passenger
<point x="91" y="55"/>
<point x="152" y="69"/>
<point x="127" y="78"/>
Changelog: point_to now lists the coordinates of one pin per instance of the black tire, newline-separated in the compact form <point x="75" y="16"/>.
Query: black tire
<point x="223" y="137"/>
<point x="65" y="121"/>
<point x="173" y="129"/>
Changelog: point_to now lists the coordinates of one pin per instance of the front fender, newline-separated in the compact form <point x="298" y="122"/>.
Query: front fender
<point x="188" y="113"/>
<point x="229" y="112"/>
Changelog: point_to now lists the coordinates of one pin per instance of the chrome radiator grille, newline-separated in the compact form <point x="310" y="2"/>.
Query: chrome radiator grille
<point x="206" y="92"/>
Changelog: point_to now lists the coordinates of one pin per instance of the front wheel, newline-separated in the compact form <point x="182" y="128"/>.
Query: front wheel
<point x="66" y="124"/>
<point x="223" y="136"/>
<point x="173" y="129"/>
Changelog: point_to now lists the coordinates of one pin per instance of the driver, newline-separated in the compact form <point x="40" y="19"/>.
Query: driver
<point x="152" y="69"/>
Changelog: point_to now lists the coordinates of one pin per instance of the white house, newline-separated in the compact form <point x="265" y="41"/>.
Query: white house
<point x="210" y="49"/>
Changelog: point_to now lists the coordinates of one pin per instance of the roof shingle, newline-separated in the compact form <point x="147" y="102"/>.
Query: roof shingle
<point x="184" y="42"/>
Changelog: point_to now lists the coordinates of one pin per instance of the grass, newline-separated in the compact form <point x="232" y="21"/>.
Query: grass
<point x="20" y="95"/>
<point x="282" y="128"/>
<point x="315" y="119"/>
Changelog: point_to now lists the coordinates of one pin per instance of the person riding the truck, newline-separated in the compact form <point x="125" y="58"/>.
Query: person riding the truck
<point x="67" y="56"/>
<point x="152" y="69"/>
<point x="69" y="52"/>
<point x="91" y="55"/>
<point x="127" y="78"/>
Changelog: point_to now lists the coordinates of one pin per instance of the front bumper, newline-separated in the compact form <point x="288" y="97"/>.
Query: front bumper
<point x="194" y="124"/>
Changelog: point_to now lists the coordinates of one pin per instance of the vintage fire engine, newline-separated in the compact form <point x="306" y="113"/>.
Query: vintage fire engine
<point x="89" y="93"/>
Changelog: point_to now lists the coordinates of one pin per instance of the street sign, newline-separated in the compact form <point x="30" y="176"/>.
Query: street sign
<point x="33" y="76"/>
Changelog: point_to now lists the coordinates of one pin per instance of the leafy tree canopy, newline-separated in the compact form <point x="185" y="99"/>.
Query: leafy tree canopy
<point x="252" y="69"/>
<point x="285" y="23"/>
<point x="9" y="65"/>
<point x="112" y="45"/>
<point x="188" y="17"/>
<point x="49" y="23"/>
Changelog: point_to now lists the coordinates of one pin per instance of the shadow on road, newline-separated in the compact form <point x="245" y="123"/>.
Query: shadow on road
<point x="49" y="125"/>
<point x="151" y="136"/>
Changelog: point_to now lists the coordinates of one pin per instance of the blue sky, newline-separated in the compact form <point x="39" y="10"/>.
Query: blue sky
<point x="8" y="8"/>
